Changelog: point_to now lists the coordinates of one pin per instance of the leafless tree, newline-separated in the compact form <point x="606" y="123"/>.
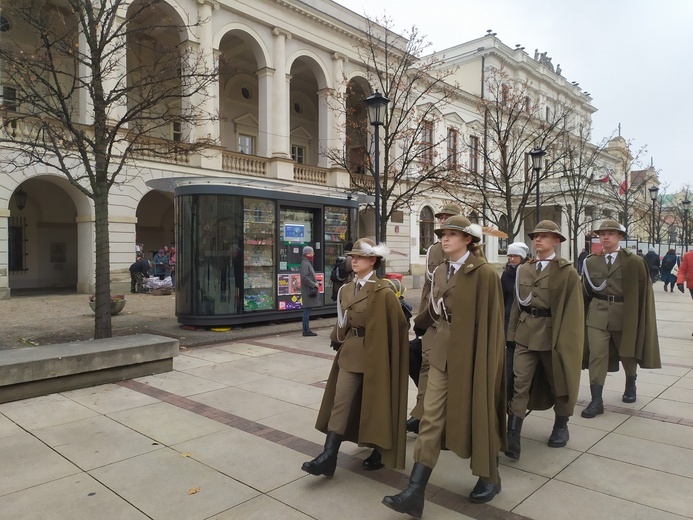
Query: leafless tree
<point x="95" y="85"/>
<point x="513" y="124"/>
<point x="418" y="88"/>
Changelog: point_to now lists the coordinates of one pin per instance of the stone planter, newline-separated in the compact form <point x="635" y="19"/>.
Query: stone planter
<point x="116" y="306"/>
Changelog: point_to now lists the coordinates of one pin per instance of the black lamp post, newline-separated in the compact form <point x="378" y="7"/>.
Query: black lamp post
<point x="376" y="105"/>
<point x="537" y="159"/>
<point x="654" y="190"/>
<point x="686" y="239"/>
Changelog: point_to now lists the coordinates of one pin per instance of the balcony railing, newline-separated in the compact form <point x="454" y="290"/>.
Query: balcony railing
<point x="361" y="181"/>
<point x="310" y="174"/>
<point x="244" y="164"/>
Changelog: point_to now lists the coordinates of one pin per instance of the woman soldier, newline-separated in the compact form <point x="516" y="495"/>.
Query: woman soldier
<point x="365" y="400"/>
<point x="465" y="401"/>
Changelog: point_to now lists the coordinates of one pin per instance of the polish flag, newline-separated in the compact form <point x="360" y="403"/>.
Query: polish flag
<point x="605" y="178"/>
<point x="624" y="187"/>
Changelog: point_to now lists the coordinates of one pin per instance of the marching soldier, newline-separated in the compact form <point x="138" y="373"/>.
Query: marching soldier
<point x="434" y="258"/>
<point x="617" y="285"/>
<point x="464" y="404"/>
<point x="547" y="326"/>
<point x="365" y="400"/>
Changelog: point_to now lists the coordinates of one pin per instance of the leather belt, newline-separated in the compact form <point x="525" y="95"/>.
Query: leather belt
<point x="609" y="298"/>
<point x="535" y="312"/>
<point x="359" y="332"/>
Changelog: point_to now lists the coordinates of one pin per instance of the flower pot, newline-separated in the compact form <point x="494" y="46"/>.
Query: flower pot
<point x="116" y="306"/>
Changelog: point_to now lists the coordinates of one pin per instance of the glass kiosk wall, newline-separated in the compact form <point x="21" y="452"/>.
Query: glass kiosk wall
<point x="239" y="251"/>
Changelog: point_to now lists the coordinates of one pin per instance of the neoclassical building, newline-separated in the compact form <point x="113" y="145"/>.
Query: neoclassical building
<point x="281" y="62"/>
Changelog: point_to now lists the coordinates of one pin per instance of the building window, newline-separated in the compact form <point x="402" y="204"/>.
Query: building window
<point x="9" y="98"/>
<point x="528" y="167"/>
<point x="427" y="142"/>
<point x="246" y="144"/>
<point x="474" y="217"/>
<point x="15" y="243"/>
<point x="177" y="131"/>
<point x="4" y="24"/>
<point x="452" y="148"/>
<point x="503" y="242"/>
<point x="246" y="93"/>
<point x="548" y="113"/>
<point x="298" y="108"/>
<point x="474" y="154"/>
<point x="528" y="104"/>
<point x="426" y="225"/>
<point x="505" y="94"/>
<point x="298" y="153"/>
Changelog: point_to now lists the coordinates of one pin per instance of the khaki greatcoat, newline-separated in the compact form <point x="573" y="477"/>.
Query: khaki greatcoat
<point x="378" y="415"/>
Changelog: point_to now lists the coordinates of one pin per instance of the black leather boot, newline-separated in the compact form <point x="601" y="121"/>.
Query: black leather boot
<point x="514" y="430"/>
<point x="596" y="406"/>
<point x="373" y="461"/>
<point x="326" y="462"/>
<point x="413" y="425"/>
<point x="559" y="435"/>
<point x="630" y="395"/>
<point x="485" y="490"/>
<point x="411" y="500"/>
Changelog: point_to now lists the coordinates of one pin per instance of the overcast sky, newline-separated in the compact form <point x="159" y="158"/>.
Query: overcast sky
<point x="633" y="56"/>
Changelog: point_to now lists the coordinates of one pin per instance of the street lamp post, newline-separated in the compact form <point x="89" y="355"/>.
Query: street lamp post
<point x="654" y="190"/>
<point x="376" y="105"/>
<point x="537" y="158"/>
<point x="686" y="231"/>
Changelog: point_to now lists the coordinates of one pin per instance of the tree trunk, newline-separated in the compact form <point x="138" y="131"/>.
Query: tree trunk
<point x="102" y="321"/>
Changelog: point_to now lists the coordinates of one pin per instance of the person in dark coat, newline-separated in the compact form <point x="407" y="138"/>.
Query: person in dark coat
<point x="138" y="272"/>
<point x="517" y="255"/>
<point x="309" y="289"/>
<point x="581" y="260"/>
<point x="652" y="261"/>
<point x="668" y="262"/>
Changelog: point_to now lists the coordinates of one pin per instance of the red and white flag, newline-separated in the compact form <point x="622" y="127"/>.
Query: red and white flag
<point x="605" y="178"/>
<point x="624" y="187"/>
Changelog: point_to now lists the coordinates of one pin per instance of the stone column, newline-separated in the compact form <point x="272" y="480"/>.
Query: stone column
<point x="115" y="79"/>
<point x="280" y="82"/>
<point x="4" y="259"/>
<point x="86" y="245"/>
<point x="265" y="111"/>
<point x="326" y="127"/>
<point x="210" y="58"/>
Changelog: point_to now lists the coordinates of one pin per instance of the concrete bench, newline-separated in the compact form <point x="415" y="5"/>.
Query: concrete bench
<point x="33" y="371"/>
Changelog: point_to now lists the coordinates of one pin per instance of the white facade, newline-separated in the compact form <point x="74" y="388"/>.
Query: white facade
<point x="281" y="61"/>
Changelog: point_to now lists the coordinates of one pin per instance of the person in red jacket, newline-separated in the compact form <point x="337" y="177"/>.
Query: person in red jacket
<point x="686" y="273"/>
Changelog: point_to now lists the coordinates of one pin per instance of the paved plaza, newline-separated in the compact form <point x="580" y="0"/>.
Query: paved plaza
<point x="223" y="436"/>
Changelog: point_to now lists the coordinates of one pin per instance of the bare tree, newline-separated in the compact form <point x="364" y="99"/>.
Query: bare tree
<point x="513" y="124"/>
<point x="579" y="167"/>
<point x="96" y="84"/>
<point x="418" y="90"/>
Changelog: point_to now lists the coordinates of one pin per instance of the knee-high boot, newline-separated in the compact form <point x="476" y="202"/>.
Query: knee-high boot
<point x="514" y="429"/>
<point x="326" y="462"/>
<point x="630" y="395"/>
<point x="411" y="500"/>
<point x="596" y="406"/>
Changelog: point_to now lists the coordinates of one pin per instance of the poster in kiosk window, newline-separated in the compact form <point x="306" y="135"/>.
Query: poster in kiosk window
<point x="258" y="255"/>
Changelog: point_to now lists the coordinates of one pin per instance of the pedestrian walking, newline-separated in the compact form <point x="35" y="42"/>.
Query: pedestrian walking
<point x="652" y="261"/>
<point x="685" y="275"/>
<point x="309" y="289"/>
<point x="517" y="255"/>
<point x="365" y="400"/>
<point x="620" y="316"/>
<point x="547" y="326"/>
<point x="670" y="264"/>
<point x="434" y="257"/>
<point x="464" y="404"/>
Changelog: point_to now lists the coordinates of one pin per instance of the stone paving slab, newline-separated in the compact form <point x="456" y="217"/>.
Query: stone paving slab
<point x="223" y="436"/>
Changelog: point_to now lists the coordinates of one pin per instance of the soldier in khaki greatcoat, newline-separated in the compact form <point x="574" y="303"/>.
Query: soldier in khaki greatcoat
<point x="617" y="285"/>
<point x="365" y="400"/>
<point x="547" y="326"/>
<point x="434" y="257"/>
<point x="464" y="404"/>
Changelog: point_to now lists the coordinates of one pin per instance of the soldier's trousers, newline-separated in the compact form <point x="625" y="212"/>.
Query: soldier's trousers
<point x="347" y="389"/>
<point x="599" y="343"/>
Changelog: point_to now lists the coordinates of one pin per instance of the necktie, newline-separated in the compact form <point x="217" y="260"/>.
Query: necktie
<point x="608" y="262"/>
<point x="358" y="287"/>
<point x="451" y="271"/>
<point x="539" y="267"/>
